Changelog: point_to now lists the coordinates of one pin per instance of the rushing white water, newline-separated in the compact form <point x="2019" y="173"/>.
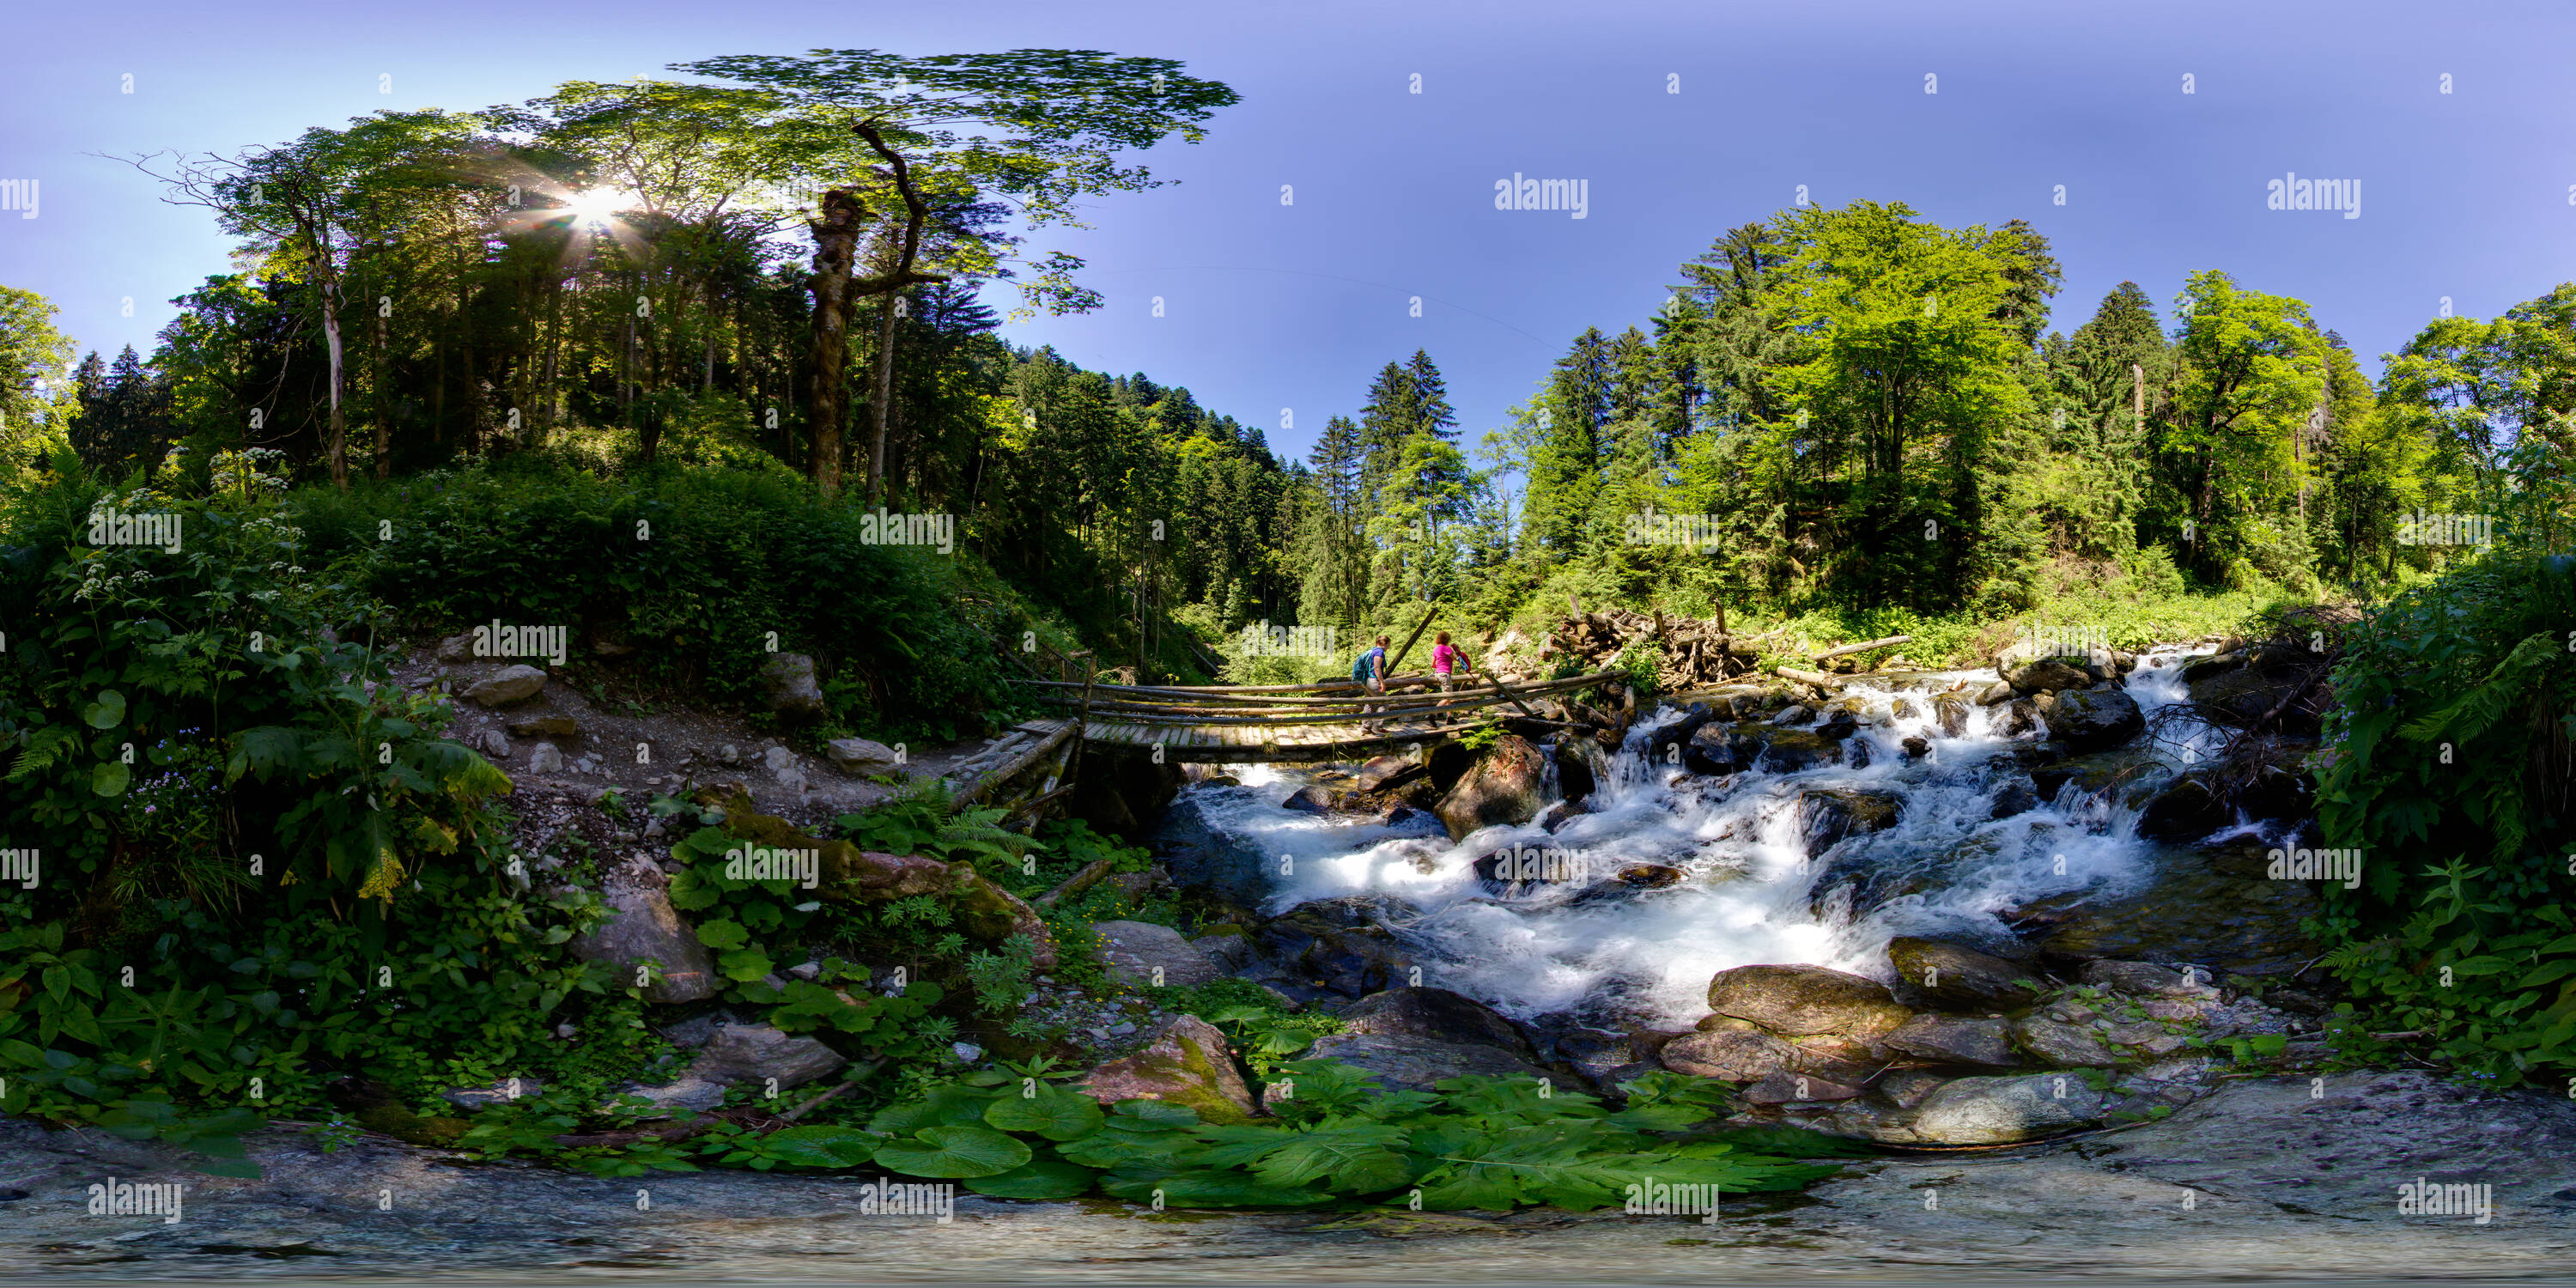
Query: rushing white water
<point x="1649" y="953"/>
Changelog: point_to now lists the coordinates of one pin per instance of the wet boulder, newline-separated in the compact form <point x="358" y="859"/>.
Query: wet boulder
<point x="1506" y="786"/>
<point x="1954" y="1041"/>
<point x="2001" y="1110"/>
<point x="1954" y="977"/>
<point x="1581" y="766"/>
<point x="1787" y="751"/>
<point x="514" y="683"/>
<point x="1828" y="815"/>
<point x="1660" y="743"/>
<point x="1335" y="945"/>
<point x="1438" y="1014"/>
<point x="1203" y="856"/>
<point x="1720" y="749"/>
<point x="642" y="926"/>
<point x="1402" y="1062"/>
<point x="1385" y="772"/>
<point x="1313" y="798"/>
<point x="2061" y="1045"/>
<point x="2095" y="720"/>
<point x="2017" y="796"/>
<point x="788" y="686"/>
<point x="1144" y="955"/>
<point x="1731" y="1055"/>
<point x="2185" y="809"/>
<point x="1798" y="1001"/>
<point x="757" y="1053"/>
<point x="1951" y="711"/>
<point x="2093" y="774"/>
<point x="2214" y="907"/>
<point x="2047" y="675"/>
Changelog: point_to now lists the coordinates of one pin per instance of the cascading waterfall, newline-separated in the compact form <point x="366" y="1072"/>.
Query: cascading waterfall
<point x="1749" y="892"/>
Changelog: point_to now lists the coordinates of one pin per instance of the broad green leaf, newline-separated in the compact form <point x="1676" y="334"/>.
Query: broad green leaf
<point x="1056" y="1115"/>
<point x="1160" y="1112"/>
<point x="1035" y="1180"/>
<point x="106" y="713"/>
<point x="821" y="1146"/>
<point x="959" y="1152"/>
<point x="110" y="778"/>
<point x="1212" y="1189"/>
<point x="723" y="934"/>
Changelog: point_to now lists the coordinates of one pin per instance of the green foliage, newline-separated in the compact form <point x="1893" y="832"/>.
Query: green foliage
<point x="2452" y="743"/>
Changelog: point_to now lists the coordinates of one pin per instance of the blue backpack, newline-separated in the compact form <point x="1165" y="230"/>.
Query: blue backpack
<point x="1365" y="666"/>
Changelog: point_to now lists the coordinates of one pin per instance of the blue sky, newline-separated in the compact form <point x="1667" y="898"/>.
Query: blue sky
<point x="2465" y="195"/>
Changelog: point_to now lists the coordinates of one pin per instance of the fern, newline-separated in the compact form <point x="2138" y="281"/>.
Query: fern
<point x="43" y="748"/>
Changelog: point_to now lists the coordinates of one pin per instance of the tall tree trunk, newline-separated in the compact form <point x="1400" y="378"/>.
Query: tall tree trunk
<point x="384" y="407"/>
<point x="339" y="443"/>
<point x="836" y="247"/>
<point x="891" y="284"/>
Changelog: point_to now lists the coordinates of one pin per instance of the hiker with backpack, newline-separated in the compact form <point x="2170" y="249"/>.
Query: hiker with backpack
<point x="1370" y="670"/>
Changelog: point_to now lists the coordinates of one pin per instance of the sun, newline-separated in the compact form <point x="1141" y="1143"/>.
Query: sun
<point x="598" y="205"/>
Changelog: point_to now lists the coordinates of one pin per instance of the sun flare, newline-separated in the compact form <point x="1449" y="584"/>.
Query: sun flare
<point x="598" y="205"/>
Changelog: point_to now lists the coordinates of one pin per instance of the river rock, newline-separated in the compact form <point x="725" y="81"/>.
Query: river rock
<point x="2095" y="719"/>
<point x="2139" y="979"/>
<point x="1800" y="1000"/>
<point x="2094" y="774"/>
<point x="1405" y="1062"/>
<point x="1312" y="799"/>
<point x="1439" y="1014"/>
<point x="1581" y="766"/>
<point x="545" y="727"/>
<point x="642" y="926"/>
<point x="1951" y="711"/>
<point x="1697" y="715"/>
<point x="1783" y="1086"/>
<point x="1335" y="945"/>
<point x="787" y="685"/>
<point x="2064" y="1046"/>
<point x="1387" y="772"/>
<point x="1141" y="954"/>
<point x="2047" y="675"/>
<point x="757" y="1053"/>
<point x="545" y="758"/>
<point x="1998" y="1111"/>
<point x="1954" y="1041"/>
<point x="1916" y="747"/>
<point x="1827" y="815"/>
<point x="1995" y="694"/>
<point x="1185" y="1062"/>
<point x="1959" y="978"/>
<point x="2016" y="797"/>
<point x="514" y="683"/>
<point x="2185" y="809"/>
<point x="455" y="648"/>
<point x="1719" y="749"/>
<point x="1506" y="786"/>
<point x="1202" y="856"/>
<point x="1786" y="751"/>
<point x="861" y="755"/>
<point x="1733" y="1055"/>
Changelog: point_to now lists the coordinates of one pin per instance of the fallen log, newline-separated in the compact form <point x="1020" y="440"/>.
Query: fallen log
<point x="1816" y="678"/>
<point x="1830" y="654"/>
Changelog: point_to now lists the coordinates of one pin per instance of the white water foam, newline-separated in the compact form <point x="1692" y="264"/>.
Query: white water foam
<point x="1746" y="896"/>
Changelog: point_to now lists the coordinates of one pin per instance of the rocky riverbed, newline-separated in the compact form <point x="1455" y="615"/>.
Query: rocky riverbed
<point x="2266" y="1176"/>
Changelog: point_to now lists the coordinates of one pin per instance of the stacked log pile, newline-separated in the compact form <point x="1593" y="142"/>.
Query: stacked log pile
<point x="1694" y="652"/>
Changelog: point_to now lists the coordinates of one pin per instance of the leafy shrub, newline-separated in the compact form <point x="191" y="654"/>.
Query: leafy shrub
<point x="2450" y="768"/>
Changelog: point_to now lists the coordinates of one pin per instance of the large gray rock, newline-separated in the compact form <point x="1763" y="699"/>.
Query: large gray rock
<point x="1184" y="1062"/>
<point x="1954" y="1041"/>
<point x="1734" y="1055"/>
<point x="1999" y="1111"/>
<point x="1438" y="1014"/>
<point x="2095" y="719"/>
<point x="860" y="755"/>
<point x="545" y="758"/>
<point x="787" y="684"/>
<point x="642" y="926"/>
<point x="1828" y="815"/>
<point x="517" y="682"/>
<point x="1141" y="954"/>
<point x="1505" y="786"/>
<point x="1335" y="945"/>
<point x="1950" y="711"/>
<point x="2214" y="907"/>
<point x="1958" y="978"/>
<point x="1404" y="1062"/>
<point x="757" y="1053"/>
<point x="2047" y="675"/>
<point x="2064" y="1046"/>
<point x="1799" y="1001"/>
<point x="1204" y="857"/>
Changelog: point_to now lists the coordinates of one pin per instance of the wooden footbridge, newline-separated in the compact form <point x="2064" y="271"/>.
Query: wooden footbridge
<point x="1335" y="720"/>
